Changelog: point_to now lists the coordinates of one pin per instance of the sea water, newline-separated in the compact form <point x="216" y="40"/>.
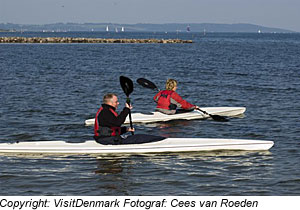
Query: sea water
<point x="49" y="90"/>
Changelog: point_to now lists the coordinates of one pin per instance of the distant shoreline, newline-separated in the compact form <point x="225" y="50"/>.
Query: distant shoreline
<point x="144" y="27"/>
<point x="87" y="40"/>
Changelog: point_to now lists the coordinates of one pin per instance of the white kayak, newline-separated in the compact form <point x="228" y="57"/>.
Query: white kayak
<point x="152" y="117"/>
<point x="166" y="145"/>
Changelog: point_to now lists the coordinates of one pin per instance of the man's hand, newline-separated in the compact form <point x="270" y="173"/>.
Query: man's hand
<point x="130" y="129"/>
<point x="128" y="106"/>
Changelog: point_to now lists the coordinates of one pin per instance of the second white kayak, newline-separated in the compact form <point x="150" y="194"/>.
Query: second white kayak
<point x="152" y="117"/>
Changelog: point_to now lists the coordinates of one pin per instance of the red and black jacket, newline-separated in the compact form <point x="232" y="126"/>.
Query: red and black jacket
<point x="169" y="99"/>
<point x="108" y="122"/>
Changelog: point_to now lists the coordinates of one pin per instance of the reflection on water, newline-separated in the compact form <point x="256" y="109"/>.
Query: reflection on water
<point x="127" y="174"/>
<point x="240" y="116"/>
<point x="108" y="166"/>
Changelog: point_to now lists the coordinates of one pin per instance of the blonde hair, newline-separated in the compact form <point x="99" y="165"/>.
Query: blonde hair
<point x="170" y="84"/>
<point x="108" y="97"/>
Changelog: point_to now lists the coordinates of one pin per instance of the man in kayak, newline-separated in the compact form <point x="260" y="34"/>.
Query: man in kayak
<point x="107" y="128"/>
<point x="168" y="100"/>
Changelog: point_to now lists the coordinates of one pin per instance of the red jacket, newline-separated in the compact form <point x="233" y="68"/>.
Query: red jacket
<point x="169" y="99"/>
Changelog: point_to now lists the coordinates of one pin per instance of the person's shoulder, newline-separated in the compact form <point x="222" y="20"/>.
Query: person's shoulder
<point x="173" y="93"/>
<point x="107" y="107"/>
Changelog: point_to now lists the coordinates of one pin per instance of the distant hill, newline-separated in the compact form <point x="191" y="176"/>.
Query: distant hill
<point x="2" y="30"/>
<point x="169" y="27"/>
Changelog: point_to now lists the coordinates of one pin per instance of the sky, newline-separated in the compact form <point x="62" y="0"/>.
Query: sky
<point x="270" y="13"/>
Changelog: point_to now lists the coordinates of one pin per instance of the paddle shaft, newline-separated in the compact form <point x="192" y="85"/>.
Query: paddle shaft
<point x="130" y="119"/>
<point x="203" y="111"/>
<point x="214" y="117"/>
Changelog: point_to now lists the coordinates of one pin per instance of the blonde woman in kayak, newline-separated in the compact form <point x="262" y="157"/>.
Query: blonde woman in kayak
<point x="168" y="101"/>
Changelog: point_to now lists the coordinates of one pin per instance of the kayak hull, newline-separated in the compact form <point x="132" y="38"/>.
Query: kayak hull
<point x="166" y="145"/>
<point x="153" y="117"/>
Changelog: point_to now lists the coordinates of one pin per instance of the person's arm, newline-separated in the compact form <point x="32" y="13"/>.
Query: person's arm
<point x="123" y="129"/>
<point x="108" y="119"/>
<point x="180" y="102"/>
<point x="156" y="97"/>
<point x="122" y="116"/>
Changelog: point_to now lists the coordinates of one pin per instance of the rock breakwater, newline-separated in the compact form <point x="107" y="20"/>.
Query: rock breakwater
<point x="86" y="40"/>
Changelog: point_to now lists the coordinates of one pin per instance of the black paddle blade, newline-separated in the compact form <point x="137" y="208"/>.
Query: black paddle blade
<point x="146" y="83"/>
<point x="219" y="118"/>
<point x="127" y="85"/>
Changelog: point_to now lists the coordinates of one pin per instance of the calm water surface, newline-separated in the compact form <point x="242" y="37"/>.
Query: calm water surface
<point x="48" y="90"/>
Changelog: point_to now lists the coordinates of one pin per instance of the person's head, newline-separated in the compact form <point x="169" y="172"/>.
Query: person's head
<point x="171" y="84"/>
<point x="111" y="99"/>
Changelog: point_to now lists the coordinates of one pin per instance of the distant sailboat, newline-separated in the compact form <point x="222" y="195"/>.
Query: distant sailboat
<point x="107" y="29"/>
<point x="123" y="29"/>
<point x="116" y="29"/>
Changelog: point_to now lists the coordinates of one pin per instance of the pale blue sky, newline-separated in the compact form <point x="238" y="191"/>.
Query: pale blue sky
<point x="272" y="13"/>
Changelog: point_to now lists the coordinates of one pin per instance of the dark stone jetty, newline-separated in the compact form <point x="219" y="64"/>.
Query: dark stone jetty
<point x="86" y="40"/>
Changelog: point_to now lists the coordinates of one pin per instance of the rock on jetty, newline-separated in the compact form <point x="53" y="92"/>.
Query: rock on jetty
<point x="86" y="40"/>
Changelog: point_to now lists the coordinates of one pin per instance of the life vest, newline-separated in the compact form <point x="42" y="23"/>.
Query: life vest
<point x="98" y="129"/>
<point x="164" y="100"/>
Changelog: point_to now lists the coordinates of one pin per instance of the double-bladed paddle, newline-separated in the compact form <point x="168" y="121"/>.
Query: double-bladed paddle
<point x="148" y="84"/>
<point x="127" y="86"/>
